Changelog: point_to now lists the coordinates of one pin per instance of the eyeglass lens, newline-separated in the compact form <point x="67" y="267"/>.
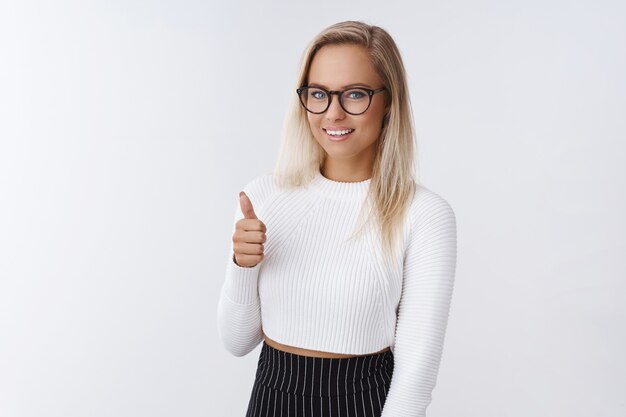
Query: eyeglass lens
<point x="355" y="100"/>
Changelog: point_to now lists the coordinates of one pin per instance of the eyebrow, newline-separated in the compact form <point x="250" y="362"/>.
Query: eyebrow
<point x="345" y="86"/>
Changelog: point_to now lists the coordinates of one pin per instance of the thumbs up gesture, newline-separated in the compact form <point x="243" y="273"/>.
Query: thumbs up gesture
<point x="249" y="235"/>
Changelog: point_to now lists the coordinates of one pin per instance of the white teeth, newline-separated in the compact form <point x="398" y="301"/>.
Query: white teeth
<point x="339" y="132"/>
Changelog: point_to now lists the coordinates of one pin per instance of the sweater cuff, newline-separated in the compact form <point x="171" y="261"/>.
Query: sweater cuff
<point x="241" y="284"/>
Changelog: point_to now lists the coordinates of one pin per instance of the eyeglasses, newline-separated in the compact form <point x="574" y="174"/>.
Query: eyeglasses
<point x="354" y="101"/>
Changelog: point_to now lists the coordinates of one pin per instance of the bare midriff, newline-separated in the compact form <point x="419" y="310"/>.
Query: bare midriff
<point x="314" y="353"/>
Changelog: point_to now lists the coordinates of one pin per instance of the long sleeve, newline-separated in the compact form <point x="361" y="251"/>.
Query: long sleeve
<point x="239" y="307"/>
<point x="427" y="286"/>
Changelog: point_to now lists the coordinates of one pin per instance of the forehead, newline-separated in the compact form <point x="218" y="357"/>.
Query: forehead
<point x="335" y="66"/>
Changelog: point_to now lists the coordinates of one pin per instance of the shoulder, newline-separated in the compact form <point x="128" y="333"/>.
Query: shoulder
<point x="429" y="208"/>
<point x="260" y="183"/>
<point x="260" y="188"/>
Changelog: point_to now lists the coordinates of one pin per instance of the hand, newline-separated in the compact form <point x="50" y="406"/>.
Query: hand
<point x="249" y="236"/>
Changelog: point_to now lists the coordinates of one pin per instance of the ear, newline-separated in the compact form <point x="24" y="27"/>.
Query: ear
<point x="387" y="104"/>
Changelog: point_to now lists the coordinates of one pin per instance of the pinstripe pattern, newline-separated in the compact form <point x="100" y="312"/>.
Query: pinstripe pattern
<point x="290" y="385"/>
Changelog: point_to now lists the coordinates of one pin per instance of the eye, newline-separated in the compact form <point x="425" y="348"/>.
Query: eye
<point x="355" y="94"/>
<point x="317" y="94"/>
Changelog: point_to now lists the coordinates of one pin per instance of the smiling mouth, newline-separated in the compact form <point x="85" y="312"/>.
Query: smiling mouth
<point x="340" y="137"/>
<point x="338" y="134"/>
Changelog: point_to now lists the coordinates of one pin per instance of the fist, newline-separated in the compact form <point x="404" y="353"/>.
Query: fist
<point x="249" y="235"/>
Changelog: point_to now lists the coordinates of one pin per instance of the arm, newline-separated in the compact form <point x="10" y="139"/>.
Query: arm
<point x="429" y="268"/>
<point x="239" y="308"/>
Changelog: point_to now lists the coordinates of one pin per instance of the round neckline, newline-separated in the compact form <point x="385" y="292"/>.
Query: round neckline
<point x="342" y="190"/>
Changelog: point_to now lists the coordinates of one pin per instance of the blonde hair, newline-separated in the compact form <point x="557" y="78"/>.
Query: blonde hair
<point x="393" y="183"/>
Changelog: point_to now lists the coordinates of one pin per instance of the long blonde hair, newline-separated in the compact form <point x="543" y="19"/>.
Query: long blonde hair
<point x="393" y="182"/>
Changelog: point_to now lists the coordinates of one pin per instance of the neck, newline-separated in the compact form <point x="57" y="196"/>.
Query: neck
<point x="340" y="190"/>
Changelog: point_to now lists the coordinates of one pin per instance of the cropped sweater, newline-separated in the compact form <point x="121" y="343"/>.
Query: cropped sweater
<point x="317" y="289"/>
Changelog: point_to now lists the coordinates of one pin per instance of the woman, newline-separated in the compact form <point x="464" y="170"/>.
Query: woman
<point x="352" y="324"/>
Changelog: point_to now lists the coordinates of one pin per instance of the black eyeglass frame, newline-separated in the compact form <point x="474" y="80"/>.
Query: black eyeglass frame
<point x="370" y="94"/>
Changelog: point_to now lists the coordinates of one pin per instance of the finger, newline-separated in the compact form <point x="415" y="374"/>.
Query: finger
<point x="248" y="235"/>
<point x="251" y="225"/>
<point x="242" y="248"/>
<point x="248" y="260"/>
<point x="246" y="206"/>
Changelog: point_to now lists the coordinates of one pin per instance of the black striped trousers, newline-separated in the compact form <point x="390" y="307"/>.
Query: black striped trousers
<point x="290" y="385"/>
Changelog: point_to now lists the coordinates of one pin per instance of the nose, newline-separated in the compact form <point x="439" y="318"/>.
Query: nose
<point x="334" y="111"/>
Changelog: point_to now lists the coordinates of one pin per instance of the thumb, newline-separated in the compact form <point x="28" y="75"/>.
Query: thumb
<point x="246" y="206"/>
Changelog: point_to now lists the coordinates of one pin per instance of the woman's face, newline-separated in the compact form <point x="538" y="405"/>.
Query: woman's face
<point x="334" y="67"/>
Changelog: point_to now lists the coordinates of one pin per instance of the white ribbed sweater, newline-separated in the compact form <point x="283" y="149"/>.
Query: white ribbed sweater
<point x="316" y="291"/>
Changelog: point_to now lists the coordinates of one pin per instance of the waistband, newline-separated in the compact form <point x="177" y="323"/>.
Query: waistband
<point x="323" y="377"/>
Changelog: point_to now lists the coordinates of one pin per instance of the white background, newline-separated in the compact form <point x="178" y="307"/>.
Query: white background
<point x="127" y="129"/>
